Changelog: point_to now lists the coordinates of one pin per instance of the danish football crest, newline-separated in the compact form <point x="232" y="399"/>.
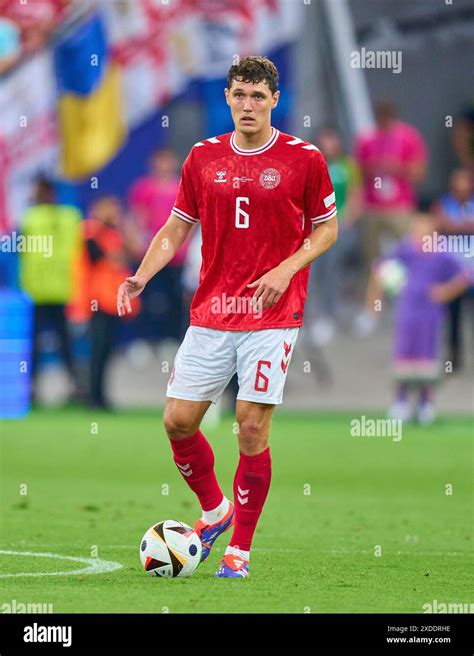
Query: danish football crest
<point x="270" y="178"/>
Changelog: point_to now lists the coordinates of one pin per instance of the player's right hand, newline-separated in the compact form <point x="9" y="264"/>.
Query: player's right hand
<point x="129" y="289"/>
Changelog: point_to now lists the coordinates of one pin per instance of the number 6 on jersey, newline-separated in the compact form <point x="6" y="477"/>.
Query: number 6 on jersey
<point x="242" y="218"/>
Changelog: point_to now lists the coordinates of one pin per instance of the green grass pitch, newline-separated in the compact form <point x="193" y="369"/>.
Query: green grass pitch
<point x="351" y="524"/>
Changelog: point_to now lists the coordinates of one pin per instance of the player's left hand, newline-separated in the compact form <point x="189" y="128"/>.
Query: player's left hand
<point x="271" y="286"/>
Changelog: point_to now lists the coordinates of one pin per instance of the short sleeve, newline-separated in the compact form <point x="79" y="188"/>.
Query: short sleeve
<point x="185" y="206"/>
<point x="319" y="197"/>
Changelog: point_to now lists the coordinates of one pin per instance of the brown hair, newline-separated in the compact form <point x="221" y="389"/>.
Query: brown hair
<point x="254" y="69"/>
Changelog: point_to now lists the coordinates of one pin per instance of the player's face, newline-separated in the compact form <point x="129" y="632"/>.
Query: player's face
<point x="251" y="105"/>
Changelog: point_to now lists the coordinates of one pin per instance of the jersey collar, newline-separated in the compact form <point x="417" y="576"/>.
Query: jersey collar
<point x="254" y="151"/>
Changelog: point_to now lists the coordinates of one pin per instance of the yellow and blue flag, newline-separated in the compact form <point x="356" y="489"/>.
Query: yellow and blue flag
<point x="90" y="108"/>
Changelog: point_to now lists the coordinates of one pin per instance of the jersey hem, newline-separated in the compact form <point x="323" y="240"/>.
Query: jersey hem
<point x="214" y="326"/>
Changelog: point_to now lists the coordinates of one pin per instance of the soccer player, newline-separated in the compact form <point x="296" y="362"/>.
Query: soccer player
<point x="257" y="193"/>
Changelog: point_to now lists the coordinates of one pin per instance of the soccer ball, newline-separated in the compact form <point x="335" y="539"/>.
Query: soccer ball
<point x="392" y="275"/>
<point x="170" y="548"/>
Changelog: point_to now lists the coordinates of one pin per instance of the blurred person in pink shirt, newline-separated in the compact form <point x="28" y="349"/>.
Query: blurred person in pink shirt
<point x="393" y="158"/>
<point x="151" y="199"/>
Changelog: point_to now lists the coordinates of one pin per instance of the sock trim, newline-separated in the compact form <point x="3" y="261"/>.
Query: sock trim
<point x="257" y="461"/>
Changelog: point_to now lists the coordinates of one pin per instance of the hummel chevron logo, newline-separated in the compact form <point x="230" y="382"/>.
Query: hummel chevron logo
<point x="185" y="469"/>
<point x="221" y="176"/>
<point x="283" y="364"/>
<point x="244" y="498"/>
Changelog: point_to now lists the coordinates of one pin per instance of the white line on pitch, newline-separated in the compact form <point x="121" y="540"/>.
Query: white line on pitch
<point x="335" y="552"/>
<point x="94" y="565"/>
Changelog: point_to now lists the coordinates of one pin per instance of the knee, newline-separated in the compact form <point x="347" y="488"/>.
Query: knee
<point x="178" y="425"/>
<point x="252" y="438"/>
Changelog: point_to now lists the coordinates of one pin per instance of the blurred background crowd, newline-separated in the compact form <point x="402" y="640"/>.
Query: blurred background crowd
<point x="100" y="102"/>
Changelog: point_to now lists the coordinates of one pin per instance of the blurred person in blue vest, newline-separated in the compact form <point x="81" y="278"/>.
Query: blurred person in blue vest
<point x="455" y="213"/>
<point x="52" y="238"/>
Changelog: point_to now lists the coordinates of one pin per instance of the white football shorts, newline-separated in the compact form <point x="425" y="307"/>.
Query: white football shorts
<point x="208" y="358"/>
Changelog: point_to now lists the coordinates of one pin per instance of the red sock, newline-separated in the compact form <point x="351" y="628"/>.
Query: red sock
<point x="195" y="460"/>
<point x="251" y="485"/>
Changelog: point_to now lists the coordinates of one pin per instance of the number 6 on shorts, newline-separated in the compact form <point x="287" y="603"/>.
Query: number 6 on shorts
<point x="261" y="381"/>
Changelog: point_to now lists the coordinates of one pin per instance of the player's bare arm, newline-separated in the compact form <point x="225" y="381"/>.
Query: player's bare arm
<point x="162" y="249"/>
<point x="450" y="290"/>
<point x="271" y="286"/>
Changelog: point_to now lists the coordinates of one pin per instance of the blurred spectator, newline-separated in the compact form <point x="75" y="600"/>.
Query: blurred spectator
<point x="10" y="47"/>
<point x="330" y="272"/>
<point x="432" y="279"/>
<point x="110" y="246"/>
<point x="53" y="241"/>
<point x="151" y="200"/>
<point x="8" y="259"/>
<point x="27" y="26"/>
<point x="393" y="159"/>
<point x="151" y="197"/>
<point x="463" y="138"/>
<point x="455" y="210"/>
<point x="192" y="267"/>
<point x="455" y="214"/>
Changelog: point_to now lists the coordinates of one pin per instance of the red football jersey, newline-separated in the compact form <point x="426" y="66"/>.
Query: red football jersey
<point x="255" y="207"/>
